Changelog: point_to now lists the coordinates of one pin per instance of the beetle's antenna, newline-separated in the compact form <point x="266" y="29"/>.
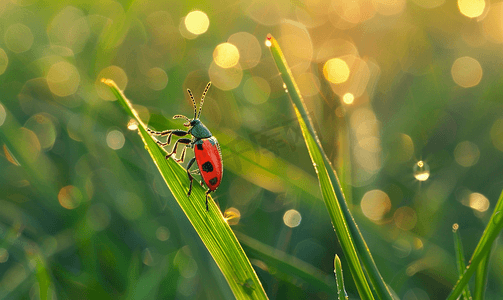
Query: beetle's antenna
<point x="181" y="117"/>
<point x="193" y="102"/>
<point x="202" y="98"/>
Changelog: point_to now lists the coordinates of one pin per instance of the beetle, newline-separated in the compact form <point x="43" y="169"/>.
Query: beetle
<point x="207" y="151"/>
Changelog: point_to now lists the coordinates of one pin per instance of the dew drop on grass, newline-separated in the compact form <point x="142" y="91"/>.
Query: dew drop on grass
<point x="455" y="227"/>
<point x="421" y="171"/>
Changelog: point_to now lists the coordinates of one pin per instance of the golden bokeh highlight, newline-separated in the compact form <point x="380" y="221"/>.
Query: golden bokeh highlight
<point x="197" y="22"/>
<point x="63" y="79"/>
<point x="292" y="218"/>
<point x="70" y="197"/>
<point x="389" y="7"/>
<point x="157" y="79"/>
<point x="348" y="98"/>
<point x="232" y="216"/>
<point x="296" y="45"/>
<point x="267" y="12"/>
<point x="4" y="61"/>
<point x="375" y="205"/>
<point x="115" y="139"/>
<point x="249" y="49"/>
<point x="466" y="72"/>
<point x="429" y="4"/>
<point x="472" y="8"/>
<point x="497" y="134"/>
<point x="405" y="218"/>
<point x="256" y="90"/>
<point x="491" y="26"/>
<point x="18" y="38"/>
<point x="336" y="70"/>
<point x="466" y="154"/>
<point x="226" y="55"/>
<point x="225" y="78"/>
<point x="421" y="171"/>
<point x="3" y="114"/>
<point x="114" y="73"/>
<point x="478" y="202"/>
<point x="355" y="11"/>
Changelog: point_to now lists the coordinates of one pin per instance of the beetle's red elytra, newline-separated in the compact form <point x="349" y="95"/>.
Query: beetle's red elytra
<point x="206" y="148"/>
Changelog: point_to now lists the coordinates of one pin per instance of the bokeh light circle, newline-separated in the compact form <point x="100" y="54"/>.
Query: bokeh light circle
<point x="466" y="72"/>
<point x="249" y="49"/>
<point x="256" y="90"/>
<point x="18" y="38"/>
<point x="472" y="8"/>
<point x="466" y="154"/>
<point x="70" y="197"/>
<point x="226" y="55"/>
<point x="157" y="79"/>
<point x="63" y="79"/>
<point x="375" y="204"/>
<point x="197" y="22"/>
<point x="115" y="139"/>
<point x="336" y="70"/>
<point x="292" y="218"/>
<point x="116" y="74"/>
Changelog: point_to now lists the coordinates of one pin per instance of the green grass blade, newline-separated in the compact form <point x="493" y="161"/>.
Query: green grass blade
<point x="210" y="225"/>
<point x="287" y="264"/>
<point x="483" y="248"/>
<point x="481" y="277"/>
<point x="460" y="258"/>
<point x="339" y="279"/>
<point x="331" y="190"/>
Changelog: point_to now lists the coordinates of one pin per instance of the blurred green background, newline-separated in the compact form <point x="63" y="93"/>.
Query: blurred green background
<point x="405" y="96"/>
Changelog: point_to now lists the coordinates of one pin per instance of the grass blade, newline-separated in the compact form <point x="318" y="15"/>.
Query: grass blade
<point x="460" y="258"/>
<point x="210" y="225"/>
<point x="340" y="215"/>
<point x="287" y="264"/>
<point x="481" y="277"/>
<point x="339" y="279"/>
<point x="483" y="247"/>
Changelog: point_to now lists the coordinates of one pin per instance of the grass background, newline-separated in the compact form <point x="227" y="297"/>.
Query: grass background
<point x="87" y="215"/>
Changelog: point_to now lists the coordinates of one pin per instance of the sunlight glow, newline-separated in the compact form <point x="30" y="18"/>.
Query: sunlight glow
<point x="336" y="70"/>
<point x="471" y="8"/>
<point x="226" y="55"/>
<point x="348" y="98"/>
<point x="197" y="22"/>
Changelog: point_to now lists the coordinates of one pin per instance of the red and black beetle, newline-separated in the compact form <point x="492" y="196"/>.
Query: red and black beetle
<point x="206" y="148"/>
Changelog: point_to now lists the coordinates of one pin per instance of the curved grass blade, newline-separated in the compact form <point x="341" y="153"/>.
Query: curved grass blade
<point x="342" y="220"/>
<point x="210" y="225"/>
<point x="339" y="279"/>
<point x="287" y="264"/>
<point x="481" y="277"/>
<point x="460" y="259"/>
<point x="483" y="248"/>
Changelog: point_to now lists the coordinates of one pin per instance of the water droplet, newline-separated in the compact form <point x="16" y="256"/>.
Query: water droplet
<point x="132" y="124"/>
<point x="455" y="227"/>
<point x="286" y="90"/>
<point x="284" y="85"/>
<point x="421" y="171"/>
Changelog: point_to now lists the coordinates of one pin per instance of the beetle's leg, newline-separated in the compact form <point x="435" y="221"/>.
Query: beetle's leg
<point x="190" y="176"/>
<point x="183" y="141"/>
<point x="177" y="133"/>
<point x="169" y="133"/>
<point x="207" y="193"/>
<point x="183" y="154"/>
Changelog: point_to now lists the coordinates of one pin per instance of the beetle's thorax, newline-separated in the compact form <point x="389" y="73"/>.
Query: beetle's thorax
<point x="198" y="130"/>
